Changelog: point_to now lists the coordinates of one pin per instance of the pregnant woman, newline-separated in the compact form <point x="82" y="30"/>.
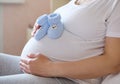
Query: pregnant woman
<point x="86" y="52"/>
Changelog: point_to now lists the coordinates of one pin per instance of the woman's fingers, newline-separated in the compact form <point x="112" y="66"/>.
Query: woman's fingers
<point x="25" y="61"/>
<point x="36" y="27"/>
<point x="25" y="67"/>
<point x="31" y="55"/>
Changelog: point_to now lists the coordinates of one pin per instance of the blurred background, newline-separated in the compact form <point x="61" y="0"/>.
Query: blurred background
<point x="16" y="21"/>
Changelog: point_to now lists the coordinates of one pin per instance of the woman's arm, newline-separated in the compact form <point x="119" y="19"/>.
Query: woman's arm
<point x="93" y="67"/>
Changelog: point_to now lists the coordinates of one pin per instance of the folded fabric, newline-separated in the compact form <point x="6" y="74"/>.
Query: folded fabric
<point x="42" y="31"/>
<point x="56" y="27"/>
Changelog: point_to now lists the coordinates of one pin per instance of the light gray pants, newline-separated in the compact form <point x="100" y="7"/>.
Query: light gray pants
<point x="10" y="73"/>
<point x="112" y="79"/>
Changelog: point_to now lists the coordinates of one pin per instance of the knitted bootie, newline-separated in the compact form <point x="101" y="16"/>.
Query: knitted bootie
<point x="56" y="27"/>
<point x="42" y="31"/>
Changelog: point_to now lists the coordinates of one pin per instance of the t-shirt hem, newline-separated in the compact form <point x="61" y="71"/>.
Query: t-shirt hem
<point x="113" y="34"/>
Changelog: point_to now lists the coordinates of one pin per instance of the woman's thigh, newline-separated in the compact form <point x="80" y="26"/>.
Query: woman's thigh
<point x="9" y="64"/>
<point x="112" y="79"/>
<point x="31" y="79"/>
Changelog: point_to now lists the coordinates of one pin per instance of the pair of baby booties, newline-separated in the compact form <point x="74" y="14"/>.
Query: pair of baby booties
<point x="50" y="25"/>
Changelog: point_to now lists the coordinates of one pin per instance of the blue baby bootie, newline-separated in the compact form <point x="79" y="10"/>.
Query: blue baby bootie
<point x="56" y="27"/>
<point x="43" y="22"/>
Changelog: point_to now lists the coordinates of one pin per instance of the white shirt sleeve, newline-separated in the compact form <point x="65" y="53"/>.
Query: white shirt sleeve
<point x="113" y="25"/>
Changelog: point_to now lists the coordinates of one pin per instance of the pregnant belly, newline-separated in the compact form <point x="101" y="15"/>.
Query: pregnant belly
<point x="66" y="48"/>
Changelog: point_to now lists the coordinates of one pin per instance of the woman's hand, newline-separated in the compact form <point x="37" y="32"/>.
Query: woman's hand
<point x="37" y="64"/>
<point x="35" y="28"/>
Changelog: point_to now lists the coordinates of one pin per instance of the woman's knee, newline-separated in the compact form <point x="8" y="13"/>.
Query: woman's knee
<point x="9" y="64"/>
<point x="26" y="79"/>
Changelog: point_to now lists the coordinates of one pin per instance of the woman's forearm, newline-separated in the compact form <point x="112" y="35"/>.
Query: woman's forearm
<point x="89" y="68"/>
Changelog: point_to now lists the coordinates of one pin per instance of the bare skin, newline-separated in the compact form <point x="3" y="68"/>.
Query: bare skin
<point x="35" y="28"/>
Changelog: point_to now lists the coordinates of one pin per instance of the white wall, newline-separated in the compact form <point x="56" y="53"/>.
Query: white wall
<point x="1" y="28"/>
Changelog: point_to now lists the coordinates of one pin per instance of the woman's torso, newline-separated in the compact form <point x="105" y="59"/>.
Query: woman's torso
<point x="85" y="30"/>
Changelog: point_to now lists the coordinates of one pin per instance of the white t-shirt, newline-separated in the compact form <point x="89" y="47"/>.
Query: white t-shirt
<point x="86" y="27"/>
